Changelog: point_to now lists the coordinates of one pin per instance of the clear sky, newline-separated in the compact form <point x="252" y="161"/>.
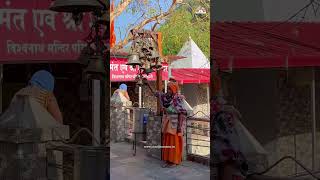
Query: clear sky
<point x="122" y="22"/>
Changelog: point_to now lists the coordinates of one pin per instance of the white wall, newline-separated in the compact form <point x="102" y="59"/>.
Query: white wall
<point x="196" y="96"/>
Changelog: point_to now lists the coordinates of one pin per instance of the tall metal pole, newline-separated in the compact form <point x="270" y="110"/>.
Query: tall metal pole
<point x="314" y="130"/>
<point x="208" y="99"/>
<point x="96" y="111"/>
<point x="1" y="85"/>
<point x="96" y="97"/>
<point x="140" y="97"/>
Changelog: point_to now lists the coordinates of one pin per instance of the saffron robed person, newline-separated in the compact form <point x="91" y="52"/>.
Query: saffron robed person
<point x="174" y="115"/>
<point x="229" y="159"/>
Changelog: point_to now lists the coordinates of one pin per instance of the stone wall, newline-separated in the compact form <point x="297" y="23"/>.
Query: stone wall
<point x="198" y="138"/>
<point x="118" y="123"/>
<point x="154" y="136"/>
<point x="295" y="126"/>
<point x="196" y="96"/>
<point x="294" y="112"/>
<point x="276" y="108"/>
<point x="298" y="146"/>
<point x="149" y="100"/>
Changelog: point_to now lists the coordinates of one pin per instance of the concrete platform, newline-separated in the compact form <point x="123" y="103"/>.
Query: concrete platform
<point x="141" y="167"/>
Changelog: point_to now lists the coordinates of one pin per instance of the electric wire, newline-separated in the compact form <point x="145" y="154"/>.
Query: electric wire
<point x="278" y="162"/>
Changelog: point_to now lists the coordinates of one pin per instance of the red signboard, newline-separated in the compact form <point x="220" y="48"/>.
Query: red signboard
<point x="29" y="31"/>
<point x="119" y="71"/>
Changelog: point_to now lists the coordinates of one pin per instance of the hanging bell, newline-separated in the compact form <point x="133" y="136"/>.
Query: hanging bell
<point x="143" y="67"/>
<point x="152" y="64"/>
<point x="85" y="55"/>
<point x="158" y="65"/>
<point x="96" y="65"/>
<point x="148" y="68"/>
<point x="144" y="49"/>
<point x="133" y="60"/>
<point x="76" y="6"/>
<point x="140" y="82"/>
<point x="154" y="56"/>
<point x="148" y="71"/>
<point x="142" y="55"/>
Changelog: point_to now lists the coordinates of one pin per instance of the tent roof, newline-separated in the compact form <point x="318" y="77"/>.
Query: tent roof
<point x="265" y="44"/>
<point x="192" y="75"/>
<point x="194" y="57"/>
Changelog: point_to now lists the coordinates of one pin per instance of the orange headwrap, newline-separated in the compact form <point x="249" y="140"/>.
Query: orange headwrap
<point x="174" y="87"/>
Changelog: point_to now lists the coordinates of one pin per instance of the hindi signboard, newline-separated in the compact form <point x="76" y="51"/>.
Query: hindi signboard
<point x="29" y="31"/>
<point x="120" y="72"/>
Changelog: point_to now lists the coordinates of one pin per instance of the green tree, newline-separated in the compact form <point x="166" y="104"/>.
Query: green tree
<point x="184" y="22"/>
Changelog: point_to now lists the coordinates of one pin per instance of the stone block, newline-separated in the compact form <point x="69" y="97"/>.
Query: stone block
<point x="154" y="136"/>
<point x="22" y="161"/>
<point x="118" y="125"/>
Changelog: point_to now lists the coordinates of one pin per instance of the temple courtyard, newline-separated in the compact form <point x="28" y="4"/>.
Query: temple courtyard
<point x="142" y="167"/>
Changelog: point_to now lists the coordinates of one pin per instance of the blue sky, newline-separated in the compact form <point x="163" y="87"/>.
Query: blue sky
<point x="121" y="22"/>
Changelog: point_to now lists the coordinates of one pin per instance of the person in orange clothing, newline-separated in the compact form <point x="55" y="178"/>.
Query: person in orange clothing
<point x="172" y="124"/>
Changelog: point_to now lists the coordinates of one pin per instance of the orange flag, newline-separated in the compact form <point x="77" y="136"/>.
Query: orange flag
<point x="112" y="33"/>
<point x="160" y="43"/>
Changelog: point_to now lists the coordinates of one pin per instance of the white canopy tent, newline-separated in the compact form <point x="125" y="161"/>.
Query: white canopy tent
<point x="194" y="58"/>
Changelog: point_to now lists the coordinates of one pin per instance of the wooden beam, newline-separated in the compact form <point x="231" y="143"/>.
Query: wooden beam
<point x="159" y="88"/>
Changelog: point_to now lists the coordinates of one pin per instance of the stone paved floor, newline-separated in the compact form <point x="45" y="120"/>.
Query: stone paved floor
<point x="142" y="167"/>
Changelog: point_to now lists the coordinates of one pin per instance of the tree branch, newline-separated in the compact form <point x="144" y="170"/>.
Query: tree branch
<point x="155" y="25"/>
<point x="119" y="9"/>
<point x="158" y="18"/>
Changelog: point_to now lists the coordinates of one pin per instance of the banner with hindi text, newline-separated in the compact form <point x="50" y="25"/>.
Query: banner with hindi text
<point x="120" y="72"/>
<point x="29" y="31"/>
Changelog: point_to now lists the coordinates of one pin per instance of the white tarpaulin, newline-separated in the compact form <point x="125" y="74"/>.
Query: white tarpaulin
<point x="249" y="145"/>
<point x="194" y="57"/>
<point x="26" y="112"/>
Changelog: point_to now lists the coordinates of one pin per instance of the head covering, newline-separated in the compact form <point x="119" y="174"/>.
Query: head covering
<point x="43" y="79"/>
<point x="172" y="79"/>
<point x="174" y="87"/>
<point x="123" y="87"/>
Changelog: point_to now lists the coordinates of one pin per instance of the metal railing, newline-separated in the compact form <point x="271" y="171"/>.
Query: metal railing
<point x="198" y="139"/>
<point x="197" y="133"/>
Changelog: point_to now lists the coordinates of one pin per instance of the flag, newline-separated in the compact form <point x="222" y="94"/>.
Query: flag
<point x="112" y="33"/>
<point x="159" y="39"/>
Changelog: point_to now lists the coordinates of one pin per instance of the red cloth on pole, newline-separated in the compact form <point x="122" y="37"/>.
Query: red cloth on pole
<point x="112" y="33"/>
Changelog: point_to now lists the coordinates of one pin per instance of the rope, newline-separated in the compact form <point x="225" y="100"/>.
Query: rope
<point x="76" y="134"/>
<point x="282" y="159"/>
<point x="198" y="113"/>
